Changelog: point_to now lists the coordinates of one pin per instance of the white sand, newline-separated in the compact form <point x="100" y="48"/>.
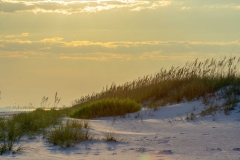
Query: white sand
<point x="162" y="134"/>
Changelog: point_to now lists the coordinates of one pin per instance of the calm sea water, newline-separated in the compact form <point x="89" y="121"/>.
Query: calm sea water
<point x="5" y="112"/>
<point x="16" y="110"/>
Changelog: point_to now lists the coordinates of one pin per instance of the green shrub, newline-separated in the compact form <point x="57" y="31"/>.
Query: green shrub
<point x="106" y="107"/>
<point x="66" y="135"/>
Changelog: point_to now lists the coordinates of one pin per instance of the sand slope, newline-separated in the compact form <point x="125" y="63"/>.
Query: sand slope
<point x="151" y="135"/>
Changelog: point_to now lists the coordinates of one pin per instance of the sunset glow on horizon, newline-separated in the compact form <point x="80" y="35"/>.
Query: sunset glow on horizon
<point x="76" y="47"/>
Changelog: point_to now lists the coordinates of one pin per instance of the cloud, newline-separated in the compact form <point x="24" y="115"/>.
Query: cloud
<point x="21" y="39"/>
<point x="96" y="56"/>
<point x="21" y="54"/>
<point x="152" y="55"/>
<point x="155" y="55"/>
<point x="185" y="8"/>
<point x="25" y="34"/>
<point x="220" y="43"/>
<point x="68" y="7"/>
<point x="160" y="55"/>
<point x="71" y="7"/>
<point x="14" y="6"/>
<point x="153" y="5"/>
<point x="22" y="46"/>
<point x="17" y="36"/>
<point x="52" y="40"/>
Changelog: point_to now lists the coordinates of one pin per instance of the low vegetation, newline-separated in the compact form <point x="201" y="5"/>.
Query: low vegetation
<point x="111" y="136"/>
<point x="210" y="110"/>
<point x="67" y="135"/>
<point x="192" y="81"/>
<point x="30" y="124"/>
<point x="106" y="107"/>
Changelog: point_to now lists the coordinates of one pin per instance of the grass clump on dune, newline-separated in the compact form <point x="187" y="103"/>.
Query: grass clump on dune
<point x="106" y="107"/>
<point x="111" y="136"/>
<point x="67" y="135"/>
<point x="194" y="80"/>
<point x="30" y="124"/>
<point x="36" y="122"/>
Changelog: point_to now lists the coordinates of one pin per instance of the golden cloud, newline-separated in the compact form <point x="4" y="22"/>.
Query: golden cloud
<point x="59" y="40"/>
<point x="19" y="41"/>
<point x="185" y="8"/>
<point x="52" y="40"/>
<point x="25" y="34"/>
<point x="18" y="35"/>
<point x="96" y="56"/>
<point x="22" y="54"/>
<point x="70" y="7"/>
<point x="158" y="55"/>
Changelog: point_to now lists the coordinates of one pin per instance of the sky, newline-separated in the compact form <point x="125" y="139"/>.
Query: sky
<point x="76" y="47"/>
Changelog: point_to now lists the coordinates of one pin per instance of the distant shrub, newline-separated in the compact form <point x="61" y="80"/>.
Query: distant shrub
<point x="111" y="136"/>
<point x="106" y="107"/>
<point x="210" y="111"/>
<point x="192" y="116"/>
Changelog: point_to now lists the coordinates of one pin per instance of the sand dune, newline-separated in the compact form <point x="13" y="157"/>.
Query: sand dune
<point x="151" y="135"/>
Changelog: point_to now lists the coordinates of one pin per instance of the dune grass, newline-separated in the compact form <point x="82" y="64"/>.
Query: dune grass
<point x="29" y="124"/>
<point x="67" y="135"/>
<point x="35" y="122"/>
<point x="106" y="107"/>
<point x="111" y="136"/>
<point x="192" y="81"/>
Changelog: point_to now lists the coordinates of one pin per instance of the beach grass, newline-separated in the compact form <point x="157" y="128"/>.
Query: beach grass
<point x="30" y="124"/>
<point x="168" y="86"/>
<point x="111" y="136"/>
<point x="67" y="135"/>
<point x="195" y="80"/>
<point x="106" y="107"/>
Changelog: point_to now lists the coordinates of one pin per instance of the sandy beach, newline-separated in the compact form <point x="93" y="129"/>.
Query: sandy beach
<point x="150" y="135"/>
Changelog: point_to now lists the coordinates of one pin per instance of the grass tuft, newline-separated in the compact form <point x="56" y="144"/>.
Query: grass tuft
<point x="30" y="124"/>
<point x="21" y="149"/>
<point x="67" y="135"/>
<point x="111" y="136"/>
<point x="210" y="111"/>
<point x="106" y="107"/>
